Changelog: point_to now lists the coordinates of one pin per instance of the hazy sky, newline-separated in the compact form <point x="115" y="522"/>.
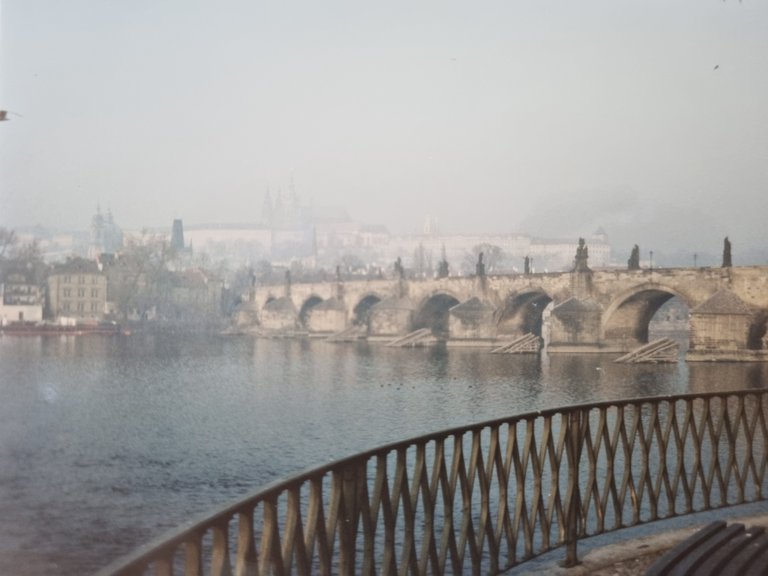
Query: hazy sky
<point x="552" y="117"/>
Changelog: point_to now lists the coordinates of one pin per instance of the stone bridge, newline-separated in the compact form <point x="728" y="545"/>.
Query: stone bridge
<point x="581" y="311"/>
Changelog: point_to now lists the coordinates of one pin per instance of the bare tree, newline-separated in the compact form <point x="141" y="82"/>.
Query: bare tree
<point x="493" y="258"/>
<point x="7" y="241"/>
<point x="422" y="261"/>
<point x="21" y="258"/>
<point x="140" y="280"/>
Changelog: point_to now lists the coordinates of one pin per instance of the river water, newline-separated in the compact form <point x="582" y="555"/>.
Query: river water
<point x="109" y="441"/>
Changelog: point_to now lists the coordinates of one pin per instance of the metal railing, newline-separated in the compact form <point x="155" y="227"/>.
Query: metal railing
<point x="484" y="498"/>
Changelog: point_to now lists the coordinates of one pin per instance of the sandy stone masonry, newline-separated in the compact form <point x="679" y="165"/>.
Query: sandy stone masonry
<point x="581" y="311"/>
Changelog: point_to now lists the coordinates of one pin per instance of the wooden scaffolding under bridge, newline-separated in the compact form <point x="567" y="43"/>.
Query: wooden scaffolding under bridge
<point x="526" y="344"/>
<point x="348" y="334"/>
<point x="421" y="337"/>
<point x="661" y="350"/>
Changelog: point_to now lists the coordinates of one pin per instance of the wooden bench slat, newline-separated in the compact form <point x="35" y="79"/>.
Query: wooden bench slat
<point x="758" y="565"/>
<point x="718" y="564"/>
<point x="701" y="553"/>
<point x="664" y="565"/>
<point x="717" y="549"/>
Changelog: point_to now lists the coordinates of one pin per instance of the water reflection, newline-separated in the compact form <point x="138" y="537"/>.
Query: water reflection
<point x="713" y="377"/>
<point x="108" y="441"/>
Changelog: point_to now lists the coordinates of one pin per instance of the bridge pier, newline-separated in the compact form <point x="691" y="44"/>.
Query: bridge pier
<point x="327" y="317"/>
<point x="575" y="327"/>
<point x="725" y="328"/>
<point x="279" y="315"/>
<point x="390" y="317"/>
<point x="472" y="321"/>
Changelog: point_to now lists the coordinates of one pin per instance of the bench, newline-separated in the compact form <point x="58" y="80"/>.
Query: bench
<point x="715" y="550"/>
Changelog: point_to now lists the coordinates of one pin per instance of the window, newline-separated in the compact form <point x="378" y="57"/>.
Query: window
<point x="67" y="292"/>
<point x="65" y="307"/>
<point x="94" y="307"/>
<point x="81" y="279"/>
<point x="80" y="306"/>
<point x="94" y="292"/>
<point x="81" y="292"/>
<point x="67" y="279"/>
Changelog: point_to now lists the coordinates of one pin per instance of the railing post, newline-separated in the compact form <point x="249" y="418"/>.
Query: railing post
<point x="573" y="448"/>
<point x="164" y="567"/>
<point x="220" y="565"/>
<point x="246" y="563"/>
<point x="351" y="477"/>
<point x="193" y="563"/>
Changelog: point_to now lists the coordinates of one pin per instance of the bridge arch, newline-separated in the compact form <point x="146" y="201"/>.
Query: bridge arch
<point x="433" y="312"/>
<point x="306" y="308"/>
<point x="362" y="310"/>
<point x="523" y="313"/>
<point x="626" y="320"/>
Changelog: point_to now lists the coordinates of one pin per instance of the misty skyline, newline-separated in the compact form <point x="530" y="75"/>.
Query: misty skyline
<point x="646" y="118"/>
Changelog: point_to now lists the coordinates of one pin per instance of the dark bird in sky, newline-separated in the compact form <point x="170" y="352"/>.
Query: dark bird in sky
<point x="716" y="67"/>
<point x="4" y="115"/>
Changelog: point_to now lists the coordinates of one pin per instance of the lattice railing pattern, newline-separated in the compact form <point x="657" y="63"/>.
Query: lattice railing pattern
<point x="483" y="498"/>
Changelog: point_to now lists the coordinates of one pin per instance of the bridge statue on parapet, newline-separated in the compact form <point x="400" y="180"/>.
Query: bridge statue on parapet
<point x="527" y="265"/>
<point x="399" y="270"/>
<point x="443" y="269"/>
<point x="582" y="255"/>
<point x="727" y="263"/>
<point x="480" y="266"/>
<point x="634" y="259"/>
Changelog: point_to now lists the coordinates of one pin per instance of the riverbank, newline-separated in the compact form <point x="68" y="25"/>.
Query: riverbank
<point x="50" y="329"/>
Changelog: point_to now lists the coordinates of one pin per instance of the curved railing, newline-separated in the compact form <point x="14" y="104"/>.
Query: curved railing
<point x="486" y="497"/>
